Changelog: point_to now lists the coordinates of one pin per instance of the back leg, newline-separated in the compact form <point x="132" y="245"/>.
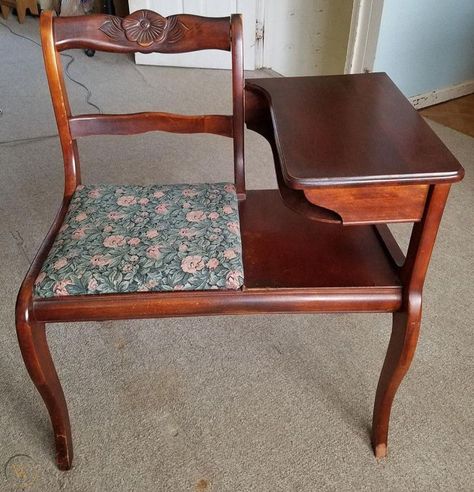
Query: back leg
<point x="35" y="351"/>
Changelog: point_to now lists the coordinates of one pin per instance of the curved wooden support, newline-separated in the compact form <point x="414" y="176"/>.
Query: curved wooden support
<point x="131" y="34"/>
<point x="34" y="349"/>
<point x="238" y="102"/>
<point x="85" y="125"/>
<point x="62" y="109"/>
<point x="38" y="361"/>
<point x="258" y="119"/>
<point x="406" y="322"/>
<point x="400" y="352"/>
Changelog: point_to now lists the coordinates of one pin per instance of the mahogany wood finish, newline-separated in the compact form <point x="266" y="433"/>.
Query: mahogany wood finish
<point x="40" y="366"/>
<point x="308" y="254"/>
<point x="35" y="351"/>
<point x="84" y="32"/>
<point x="298" y="257"/>
<point x="94" y="32"/>
<point x="352" y="130"/>
<point x="62" y="110"/>
<point x="177" y="34"/>
<point x="131" y="124"/>
<point x="421" y="184"/>
<point x="294" y="279"/>
<point x="390" y="244"/>
<point x="258" y="119"/>
<point x="363" y="204"/>
<point x="406" y="321"/>
<point x="247" y="301"/>
<point x="238" y="103"/>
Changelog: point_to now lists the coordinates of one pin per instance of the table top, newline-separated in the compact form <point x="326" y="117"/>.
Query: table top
<point x="352" y="130"/>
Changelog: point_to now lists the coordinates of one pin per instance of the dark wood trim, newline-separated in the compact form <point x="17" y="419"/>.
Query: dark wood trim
<point x="62" y="110"/>
<point x="400" y="352"/>
<point x="258" y="119"/>
<point x="132" y="124"/>
<point x="355" y="269"/>
<point x="390" y="243"/>
<point x="206" y="303"/>
<point x="25" y="294"/>
<point x="423" y="238"/>
<point x="372" y="204"/>
<point x="107" y="33"/>
<point x="35" y="351"/>
<point x="238" y="102"/>
<point x="406" y="322"/>
<point x="339" y="142"/>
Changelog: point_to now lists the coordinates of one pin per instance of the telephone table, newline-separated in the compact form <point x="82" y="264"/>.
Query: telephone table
<point x="351" y="156"/>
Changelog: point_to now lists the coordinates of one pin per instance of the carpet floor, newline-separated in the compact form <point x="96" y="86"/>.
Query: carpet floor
<point x="264" y="403"/>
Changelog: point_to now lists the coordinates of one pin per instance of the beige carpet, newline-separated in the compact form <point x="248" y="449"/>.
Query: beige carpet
<point x="269" y="403"/>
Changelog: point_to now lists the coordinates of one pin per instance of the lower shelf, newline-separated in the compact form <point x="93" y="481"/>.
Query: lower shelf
<point x="283" y="249"/>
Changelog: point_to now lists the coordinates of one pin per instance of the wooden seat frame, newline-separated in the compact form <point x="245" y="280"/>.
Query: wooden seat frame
<point x="402" y="296"/>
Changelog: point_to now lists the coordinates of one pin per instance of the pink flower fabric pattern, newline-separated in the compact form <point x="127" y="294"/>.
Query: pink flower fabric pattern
<point x="119" y="239"/>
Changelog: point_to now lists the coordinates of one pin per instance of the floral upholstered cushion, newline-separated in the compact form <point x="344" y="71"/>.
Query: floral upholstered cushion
<point x="146" y="238"/>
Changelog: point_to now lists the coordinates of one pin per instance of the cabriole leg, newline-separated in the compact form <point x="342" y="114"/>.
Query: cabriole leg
<point x="35" y="351"/>
<point x="400" y="352"/>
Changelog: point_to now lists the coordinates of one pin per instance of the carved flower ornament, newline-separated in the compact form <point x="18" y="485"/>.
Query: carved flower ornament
<point x="144" y="27"/>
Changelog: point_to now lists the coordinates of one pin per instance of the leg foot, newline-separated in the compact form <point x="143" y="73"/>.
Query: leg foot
<point x="35" y="351"/>
<point x="380" y="451"/>
<point x="400" y="352"/>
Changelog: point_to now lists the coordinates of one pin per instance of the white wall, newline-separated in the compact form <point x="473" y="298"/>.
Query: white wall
<point x="307" y="37"/>
<point x="425" y="45"/>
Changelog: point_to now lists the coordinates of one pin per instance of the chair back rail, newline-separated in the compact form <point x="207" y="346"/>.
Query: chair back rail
<point x="143" y="31"/>
<point x="85" y="125"/>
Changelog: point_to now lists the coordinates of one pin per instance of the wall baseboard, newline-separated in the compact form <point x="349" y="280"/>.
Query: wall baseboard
<point x="441" y="95"/>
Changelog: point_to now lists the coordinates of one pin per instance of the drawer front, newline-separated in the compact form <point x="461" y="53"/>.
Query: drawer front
<point x="372" y="204"/>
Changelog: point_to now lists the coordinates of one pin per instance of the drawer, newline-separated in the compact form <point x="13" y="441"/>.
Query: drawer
<point x="372" y="204"/>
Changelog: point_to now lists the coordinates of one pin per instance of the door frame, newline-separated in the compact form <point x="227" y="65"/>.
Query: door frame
<point x="363" y="35"/>
<point x="260" y="34"/>
<point x="361" y="46"/>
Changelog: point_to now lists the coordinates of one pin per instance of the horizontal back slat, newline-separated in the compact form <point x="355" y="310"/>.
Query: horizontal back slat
<point x="143" y="31"/>
<point x="132" y="124"/>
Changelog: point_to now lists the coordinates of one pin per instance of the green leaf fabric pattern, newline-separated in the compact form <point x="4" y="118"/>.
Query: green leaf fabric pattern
<point x="146" y="238"/>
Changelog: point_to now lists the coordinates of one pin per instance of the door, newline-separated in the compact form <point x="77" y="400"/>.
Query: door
<point x="211" y="8"/>
<point x="307" y="37"/>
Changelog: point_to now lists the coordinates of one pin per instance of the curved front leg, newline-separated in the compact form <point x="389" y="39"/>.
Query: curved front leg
<point x="400" y="352"/>
<point x="35" y="351"/>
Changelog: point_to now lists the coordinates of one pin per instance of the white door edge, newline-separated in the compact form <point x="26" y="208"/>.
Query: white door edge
<point x="363" y="36"/>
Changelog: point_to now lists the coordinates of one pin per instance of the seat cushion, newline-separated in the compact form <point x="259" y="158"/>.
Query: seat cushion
<point x="146" y="238"/>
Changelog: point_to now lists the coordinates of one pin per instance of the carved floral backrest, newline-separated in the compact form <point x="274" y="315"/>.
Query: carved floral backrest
<point x="142" y="31"/>
<point x="145" y="28"/>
